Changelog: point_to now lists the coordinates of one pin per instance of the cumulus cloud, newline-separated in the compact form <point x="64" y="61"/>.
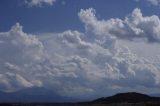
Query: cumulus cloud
<point x="16" y="49"/>
<point x="132" y="27"/>
<point x="39" y="2"/>
<point x="84" y="63"/>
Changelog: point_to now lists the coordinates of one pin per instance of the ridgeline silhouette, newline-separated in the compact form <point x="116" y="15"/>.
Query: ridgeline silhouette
<point x="131" y="97"/>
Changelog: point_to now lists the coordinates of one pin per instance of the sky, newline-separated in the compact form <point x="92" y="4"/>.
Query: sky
<point x="80" y="47"/>
<point x="49" y="18"/>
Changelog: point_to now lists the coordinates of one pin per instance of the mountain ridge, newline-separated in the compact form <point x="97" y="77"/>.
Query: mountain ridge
<point x="30" y="95"/>
<point x="130" y="97"/>
<point x="45" y="96"/>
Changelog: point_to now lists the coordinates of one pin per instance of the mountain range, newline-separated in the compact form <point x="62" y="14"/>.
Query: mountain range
<point x="30" y="95"/>
<point x="45" y="97"/>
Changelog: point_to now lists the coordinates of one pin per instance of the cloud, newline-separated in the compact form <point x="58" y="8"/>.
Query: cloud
<point x="39" y="3"/>
<point x="153" y="2"/>
<point x="88" y="63"/>
<point x="133" y="27"/>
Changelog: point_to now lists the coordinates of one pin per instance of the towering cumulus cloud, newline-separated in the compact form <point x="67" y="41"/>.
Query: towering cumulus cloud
<point x="73" y="63"/>
<point x="133" y="26"/>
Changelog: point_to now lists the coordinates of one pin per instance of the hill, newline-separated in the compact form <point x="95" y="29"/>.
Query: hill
<point x="131" y="97"/>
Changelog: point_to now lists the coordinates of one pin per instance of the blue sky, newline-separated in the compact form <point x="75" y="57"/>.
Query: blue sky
<point x="59" y="17"/>
<point x="80" y="47"/>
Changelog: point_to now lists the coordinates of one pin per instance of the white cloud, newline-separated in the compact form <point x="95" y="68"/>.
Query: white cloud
<point x="85" y="63"/>
<point x="134" y="26"/>
<point x="39" y="2"/>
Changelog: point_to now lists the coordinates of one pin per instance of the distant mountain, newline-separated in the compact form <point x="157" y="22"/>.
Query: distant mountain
<point x="44" y="97"/>
<point x="131" y="97"/>
<point x="155" y="95"/>
<point x="31" y="95"/>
